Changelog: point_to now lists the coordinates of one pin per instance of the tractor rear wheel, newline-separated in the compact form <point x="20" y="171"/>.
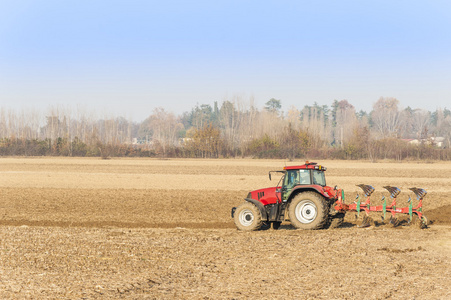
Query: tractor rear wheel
<point x="247" y="217"/>
<point x="308" y="210"/>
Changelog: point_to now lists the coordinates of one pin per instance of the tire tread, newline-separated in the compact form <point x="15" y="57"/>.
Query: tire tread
<point x="321" y="206"/>
<point x="257" y="217"/>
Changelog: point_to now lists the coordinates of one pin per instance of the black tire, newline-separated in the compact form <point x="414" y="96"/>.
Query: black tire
<point x="276" y="225"/>
<point x="308" y="210"/>
<point x="265" y="226"/>
<point x="247" y="217"/>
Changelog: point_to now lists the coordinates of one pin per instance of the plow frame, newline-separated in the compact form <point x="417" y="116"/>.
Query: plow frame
<point x="359" y="206"/>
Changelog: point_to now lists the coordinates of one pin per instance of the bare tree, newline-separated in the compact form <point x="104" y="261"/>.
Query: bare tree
<point x="293" y="117"/>
<point x="385" y="117"/>
<point x="443" y="125"/>
<point x="229" y="120"/>
<point x="343" y="121"/>
<point x="164" y="127"/>
<point x="421" y="122"/>
<point x="406" y="123"/>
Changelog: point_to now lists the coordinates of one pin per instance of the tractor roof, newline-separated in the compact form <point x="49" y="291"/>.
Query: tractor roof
<point x="307" y="165"/>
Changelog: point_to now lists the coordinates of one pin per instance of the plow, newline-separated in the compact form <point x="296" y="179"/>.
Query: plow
<point x="415" y="213"/>
<point x="302" y="197"/>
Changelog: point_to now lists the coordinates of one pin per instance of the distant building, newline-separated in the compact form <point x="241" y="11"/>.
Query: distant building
<point x="185" y="140"/>
<point x="438" y="142"/>
<point x="136" y="141"/>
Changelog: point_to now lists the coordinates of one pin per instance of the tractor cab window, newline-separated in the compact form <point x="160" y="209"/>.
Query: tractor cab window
<point x="296" y="177"/>
<point x="319" y="178"/>
<point x="304" y="176"/>
<point x="291" y="179"/>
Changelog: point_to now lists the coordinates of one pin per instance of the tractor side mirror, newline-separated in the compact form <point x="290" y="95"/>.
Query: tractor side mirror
<point x="270" y="176"/>
<point x="335" y="187"/>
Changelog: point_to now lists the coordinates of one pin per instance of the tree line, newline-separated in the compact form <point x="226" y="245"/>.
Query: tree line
<point x="234" y="128"/>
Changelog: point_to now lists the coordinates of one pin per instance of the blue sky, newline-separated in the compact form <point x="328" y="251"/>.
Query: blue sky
<point x="129" y="57"/>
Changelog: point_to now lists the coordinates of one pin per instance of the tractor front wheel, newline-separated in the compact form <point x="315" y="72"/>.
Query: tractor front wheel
<point x="247" y="217"/>
<point x="308" y="210"/>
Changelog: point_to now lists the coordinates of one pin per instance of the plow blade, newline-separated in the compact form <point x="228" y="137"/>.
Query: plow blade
<point x="394" y="191"/>
<point x="420" y="193"/>
<point x="367" y="189"/>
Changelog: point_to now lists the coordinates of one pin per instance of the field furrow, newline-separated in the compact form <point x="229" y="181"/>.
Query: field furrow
<point x="74" y="228"/>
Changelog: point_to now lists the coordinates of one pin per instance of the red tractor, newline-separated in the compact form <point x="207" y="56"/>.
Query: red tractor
<point x="301" y="196"/>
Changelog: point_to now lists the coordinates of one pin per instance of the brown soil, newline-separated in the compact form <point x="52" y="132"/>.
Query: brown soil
<point x="153" y="229"/>
<point x="440" y="215"/>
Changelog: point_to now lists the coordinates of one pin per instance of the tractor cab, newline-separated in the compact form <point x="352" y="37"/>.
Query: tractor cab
<point x="297" y="177"/>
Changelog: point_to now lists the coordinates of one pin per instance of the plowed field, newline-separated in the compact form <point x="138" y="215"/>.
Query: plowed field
<point x="161" y="229"/>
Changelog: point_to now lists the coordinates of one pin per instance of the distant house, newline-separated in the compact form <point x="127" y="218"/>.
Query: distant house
<point x="439" y="141"/>
<point x="414" y="142"/>
<point x="136" y="141"/>
<point x="408" y="140"/>
<point x="185" y="140"/>
<point x="434" y="141"/>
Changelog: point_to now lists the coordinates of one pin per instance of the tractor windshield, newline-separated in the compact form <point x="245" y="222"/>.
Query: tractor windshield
<point x="319" y="178"/>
